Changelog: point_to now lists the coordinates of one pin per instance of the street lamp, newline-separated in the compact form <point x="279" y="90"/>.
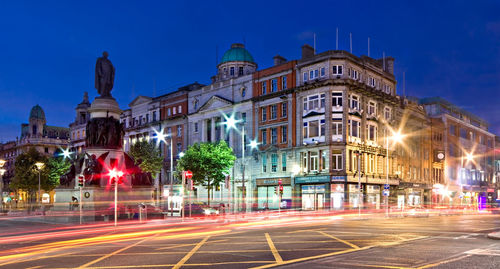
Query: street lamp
<point x="397" y="137"/>
<point x="39" y="166"/>
<point x="2" y="171"/>
<point x="231" y="122"/>
<point x="161" y="137"/>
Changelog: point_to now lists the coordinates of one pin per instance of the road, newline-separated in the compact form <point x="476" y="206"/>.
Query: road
<point x="340" y="241"/>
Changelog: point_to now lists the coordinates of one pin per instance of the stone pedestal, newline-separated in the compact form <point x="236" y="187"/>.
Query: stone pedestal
<point x="104" y="107"/>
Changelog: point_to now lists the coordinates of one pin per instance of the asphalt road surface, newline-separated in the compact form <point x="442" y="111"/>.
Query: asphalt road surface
<point x="254" y="242"/>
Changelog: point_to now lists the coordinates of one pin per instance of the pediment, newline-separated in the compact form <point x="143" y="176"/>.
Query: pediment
<point x="215" y="102"/>
<point x="140" y="100"/>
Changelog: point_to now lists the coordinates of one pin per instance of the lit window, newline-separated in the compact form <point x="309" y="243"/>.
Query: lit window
<point x="175" y="110"/>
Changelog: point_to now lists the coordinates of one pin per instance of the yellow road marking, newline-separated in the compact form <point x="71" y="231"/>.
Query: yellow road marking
<point x="338" y="239"/>
<point x="113" y="253"/>
<point x="170" y="265"/>
<point x="34" y="267"/>
<point x="190" y="244"/>
<point x="275" y="252"/>
<point x="190" y="253"/>
<point x="374" y="265"/>
<point x="312" y="257"/>
<point x="442" y="262"/>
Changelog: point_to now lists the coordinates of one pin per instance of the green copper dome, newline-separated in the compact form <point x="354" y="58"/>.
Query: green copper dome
<point x="37" y="113"/>
<point x="237" y="53"/>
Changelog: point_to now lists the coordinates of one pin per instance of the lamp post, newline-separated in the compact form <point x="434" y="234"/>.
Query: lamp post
<point x="161" y="136"/>
<point x="396" y="137"/>
<point x="2" y="171"/>
<point x="39" y="166"/>
<point x="469" y="157"/>
<point x="115" y="176"/>
<point x="231" y="122"/>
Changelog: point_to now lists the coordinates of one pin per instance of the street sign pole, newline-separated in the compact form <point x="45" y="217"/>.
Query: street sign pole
<point x="81" y="202"/>
<point x="183" y="187"/>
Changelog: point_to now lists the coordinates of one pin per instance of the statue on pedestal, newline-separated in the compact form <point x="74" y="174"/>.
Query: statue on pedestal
<point x="104" y="75"/>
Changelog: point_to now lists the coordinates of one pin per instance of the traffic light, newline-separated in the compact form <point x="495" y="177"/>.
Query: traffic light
<point x="80" y="181"/>
<point x="281" y="189"/>
<point x="276" y="190"/>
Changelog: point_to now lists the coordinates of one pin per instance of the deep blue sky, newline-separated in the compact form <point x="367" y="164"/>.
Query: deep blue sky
<point x="48" y="49"/>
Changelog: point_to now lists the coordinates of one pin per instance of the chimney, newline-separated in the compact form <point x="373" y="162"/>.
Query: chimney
<point x="307" y="51"/>
<point x="279" y="60"/>
<point x="389" y="65"/>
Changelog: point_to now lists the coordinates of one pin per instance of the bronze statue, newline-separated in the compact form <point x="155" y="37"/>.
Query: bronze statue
<point x="104" y="75"/>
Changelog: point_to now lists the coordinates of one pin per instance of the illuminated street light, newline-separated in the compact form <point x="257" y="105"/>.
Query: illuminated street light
<point x="2" y="171"/>
<point x="181" y="154"/>
<point x="397" y="137"/>
<point x="469" y="157"/>
<point x="66" y="153"/>
<point x="39" y="166"/>
<point x="253" y="144"/>
<point x="162" y="137"/>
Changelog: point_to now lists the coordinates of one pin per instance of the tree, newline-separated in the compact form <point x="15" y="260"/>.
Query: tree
<point x="147" y="155"/>
<point x="26" y="173"/>
<point x="57" y="166"/>
<point x="209" y="162"/>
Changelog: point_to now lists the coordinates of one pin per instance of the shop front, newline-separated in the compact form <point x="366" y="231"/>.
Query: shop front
<point x="337" y="192"/>
<point x="314" y="192"/>
<point x="413" y="194"/>
<point x="268" y="197"/>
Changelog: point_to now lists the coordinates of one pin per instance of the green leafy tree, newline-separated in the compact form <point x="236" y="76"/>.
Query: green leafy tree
<point x="57" y="166"/>
<point x="26" y="173"/>
<point x="147" y="155"/>
<point x="209" y="162"/>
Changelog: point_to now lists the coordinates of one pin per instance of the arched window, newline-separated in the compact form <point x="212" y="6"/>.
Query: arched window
<point x="34" y="130"/>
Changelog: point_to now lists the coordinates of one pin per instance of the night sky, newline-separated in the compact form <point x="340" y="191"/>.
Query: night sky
<point x="48" y="49"/>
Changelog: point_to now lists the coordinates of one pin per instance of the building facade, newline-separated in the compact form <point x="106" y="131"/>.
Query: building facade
<point x="469" y="154"/>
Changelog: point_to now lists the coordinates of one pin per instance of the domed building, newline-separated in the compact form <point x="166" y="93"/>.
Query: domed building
<point x="236" y="62"/>
<point x="46" y="139"/>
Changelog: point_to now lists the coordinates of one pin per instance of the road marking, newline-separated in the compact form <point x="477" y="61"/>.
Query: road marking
<point x="338" y="239"/>
<point x="374" y="265"/>
<point x="190" y="253"/>
<point x="275" y="252"/>
<point x="443" y="262"/>
<point x="170" y="265"/>
<point x="190" y="244"/>
<point x="34" y="267"/>
<point x="113" y="253"/>
<point x="302" y="231"/>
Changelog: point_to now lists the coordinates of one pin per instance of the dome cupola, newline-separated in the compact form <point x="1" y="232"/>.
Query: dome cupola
<point x="236" y="62"/>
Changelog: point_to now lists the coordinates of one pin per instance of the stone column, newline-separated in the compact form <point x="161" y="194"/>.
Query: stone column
<point x="212" y="129"/>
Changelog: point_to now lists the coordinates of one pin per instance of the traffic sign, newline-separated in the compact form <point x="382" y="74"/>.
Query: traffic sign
<point x="188" y="174"/>
<point x="386" y="186"/>
<point x="386" y="192"/>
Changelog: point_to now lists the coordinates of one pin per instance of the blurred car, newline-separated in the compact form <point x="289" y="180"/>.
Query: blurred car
<point x="494" y="207"/>
<point x="199" y="209"/>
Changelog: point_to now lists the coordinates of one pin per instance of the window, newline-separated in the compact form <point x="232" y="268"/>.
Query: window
<point x="387" y="89"/>
<point x="322" y="127"/>
<point x="337" y="69"/>
<point x="354" y="102"/>
<point x="355" y="128"/>
<point x="313" y="102"/>
<point x="179" y="108"/>
<point x="311" y="74"/>
<point x="284" y="107"/>
<point x="46" y="150"/>
<point x="274" y="162"/>
<point x="175" y="110"/>
<point x="264" y="137"/>
<point x="305" y="77"/>
<point x="274" y="85"/>
<point x="283" y="83"/>
<point x="453" y="130"/>
<point x="179" y="148"/>
<point x="322" y="71"/>
<point x="179" y="130"/>
<point x="337" y="161"/>
<point x="314" y="160"/>
<point x="387" y="113"/>
<point x="284" y="133"/>
<point x="243" y="92"/>
<point x="195" y="127"/>
<point x="336" y="99"/>
<point x="140" y="120"/>
<point x="169" y="130"/>
<point x="240" y="71"/>
<point x="322" y="100"/>
<point x="336" y="127"/>
<point x="283" y="162"/>
<point x="316" y="73"/>
<point x="264" y="163"/>
<point x="154" y="115"/>
<point x="274" y="136"/>
<point x="372" y="108"/>
<point x="463" y="133"/>
<point x="274" y="112"/>
<point x="371" y="81"/>
<point x="263" y="112"/>
<point x="372" y="132"/>
<point x="244" y="117"/>
<point x="264" y="87"/>
<point x="354" y="74"/>
<point x="231" y="71"/>
<point x="313" y="128"/>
